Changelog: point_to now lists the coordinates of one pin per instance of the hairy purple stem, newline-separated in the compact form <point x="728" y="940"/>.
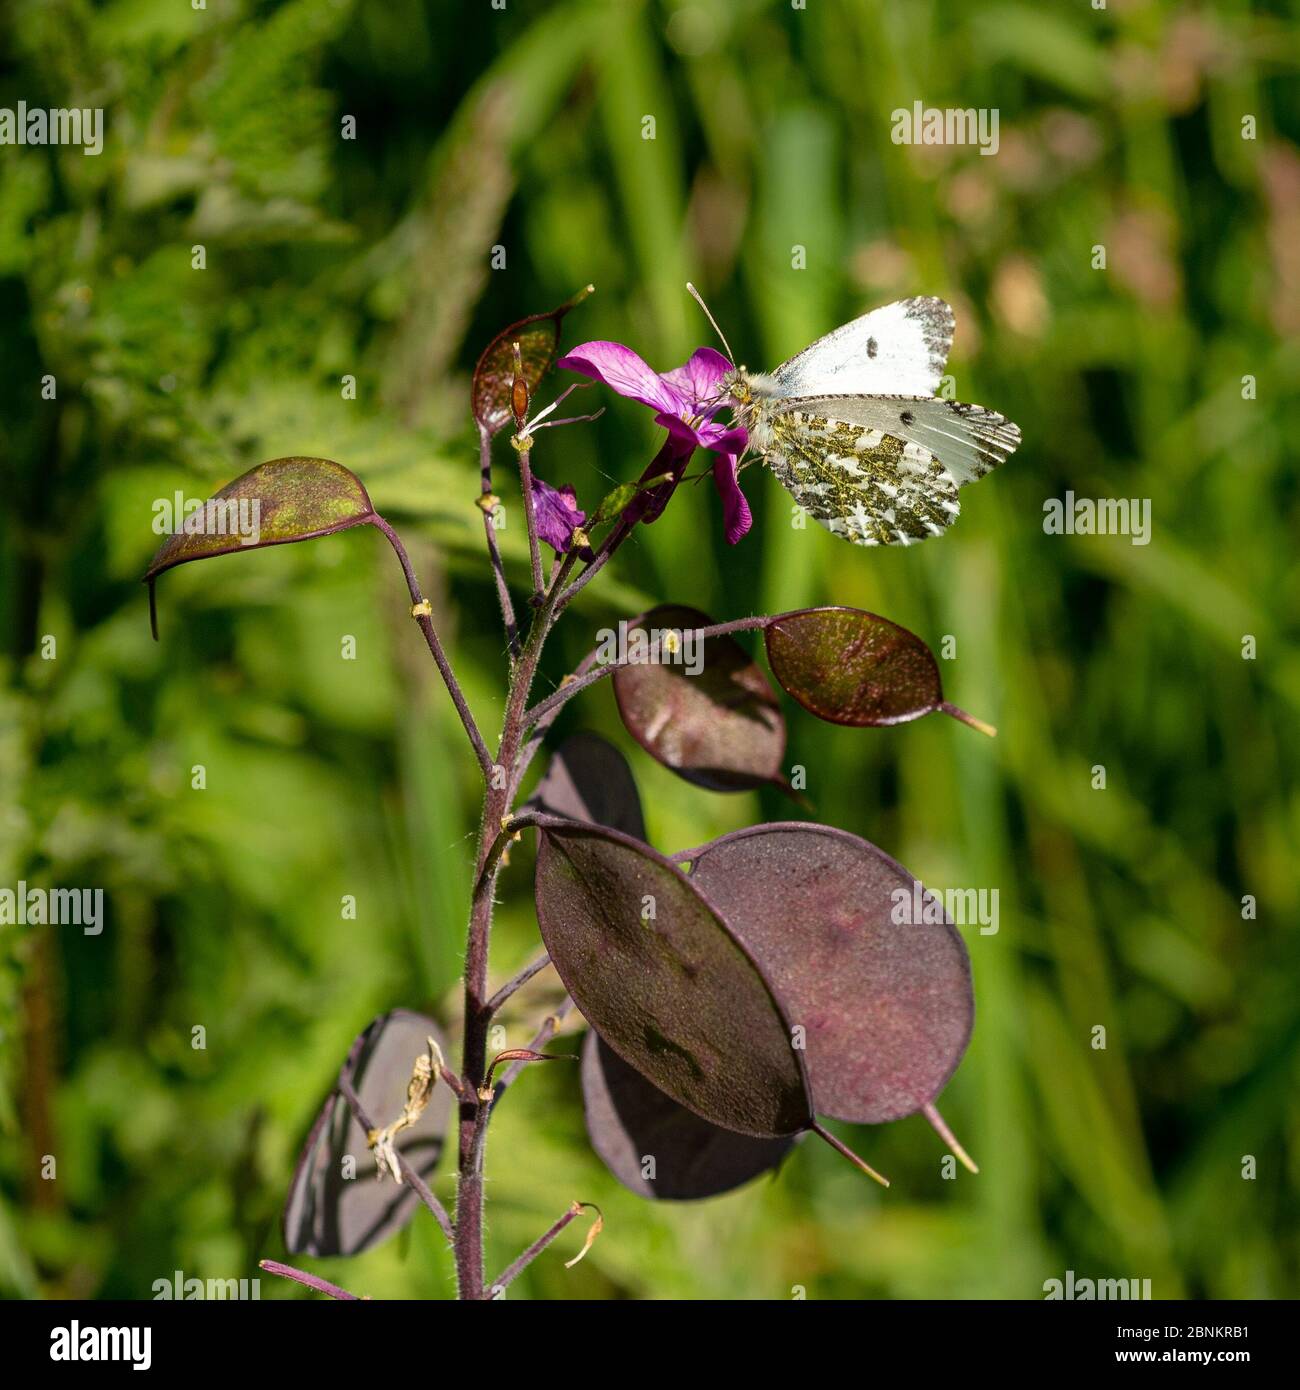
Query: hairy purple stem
<point x="542" y="727"/>
<point x="521" y="979"/>
<point x="512" y="1271"/>
<point x="534" y="550"/>
<point x="494" y="550"/>
<point x="492" y="839"/>
<point x="313" y="1281"/>
<point x="435" y="647"/>
<point x="575" y="687"/>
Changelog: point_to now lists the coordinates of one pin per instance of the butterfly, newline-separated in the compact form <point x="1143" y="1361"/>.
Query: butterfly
<point x="852" y="427"/>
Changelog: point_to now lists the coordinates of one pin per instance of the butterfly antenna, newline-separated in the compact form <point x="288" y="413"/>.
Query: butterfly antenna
<point x="695" y="295"/>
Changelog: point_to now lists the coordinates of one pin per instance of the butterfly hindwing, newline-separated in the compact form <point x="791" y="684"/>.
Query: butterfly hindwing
<point x="863" y="485"/>
<point x="898" y="349"/>
<point x="969" y="440"/>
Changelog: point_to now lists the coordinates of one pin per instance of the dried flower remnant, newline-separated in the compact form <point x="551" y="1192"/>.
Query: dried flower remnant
<point x="424" y="1074"/>
<point x="327" y="1213"/>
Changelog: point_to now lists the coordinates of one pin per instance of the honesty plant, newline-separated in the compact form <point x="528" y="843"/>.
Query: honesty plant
<point x="734" y="991"/>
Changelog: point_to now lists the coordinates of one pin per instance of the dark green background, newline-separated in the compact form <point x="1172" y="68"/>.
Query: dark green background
<point x="523" y="128"/>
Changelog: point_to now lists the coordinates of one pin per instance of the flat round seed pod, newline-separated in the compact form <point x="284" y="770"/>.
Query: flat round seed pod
<point x="657" y="1148"/>
<point x="860" y="956"/>
<point x="656" y="970"/>
<point x="588" y="779"/>
<point x="328" y="1214"/>
<point x="851" y="667"/>
<point x="714" y="718"/>
<point x="276" y="503"/>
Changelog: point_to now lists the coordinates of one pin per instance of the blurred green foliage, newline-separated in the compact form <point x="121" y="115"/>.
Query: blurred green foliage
<point x="327" y="257"/>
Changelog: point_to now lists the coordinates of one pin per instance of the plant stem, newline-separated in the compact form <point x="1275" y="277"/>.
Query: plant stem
<point x="530" y="516"/>
<point x="544" y="1034"/>
<point x="565" y="693"/>
<point x="542" y="725"/>
<point x="497" y="801"/>
<point x="521" y="979"/>
<point x="312" y="1281"/>
<point x="613" y="539"/>
<point x="513" y="1270"/>
<point x="494" y="550"/>
<point x="435" y="647"/>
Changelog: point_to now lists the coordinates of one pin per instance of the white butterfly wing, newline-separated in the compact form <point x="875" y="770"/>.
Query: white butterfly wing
<point x="968" y="440"/>
<point x="899" y="349"/>
<point x="863" y="485"/>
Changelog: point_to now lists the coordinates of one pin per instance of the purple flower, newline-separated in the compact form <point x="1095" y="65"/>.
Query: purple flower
<point x="557" y="514"/>
<point x="685" y="401"/>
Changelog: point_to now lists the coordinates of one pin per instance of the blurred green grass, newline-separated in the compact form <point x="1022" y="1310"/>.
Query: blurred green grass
<point x="523" y="128"/>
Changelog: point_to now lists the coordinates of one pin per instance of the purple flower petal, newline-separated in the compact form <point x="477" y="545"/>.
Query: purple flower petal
<point x="682" y="434"/>
<point x="736" y="515"/>
<point x="698" y="379"/>
<point x="722" y="439"/>
<point x="684" y="401"/>
<point x="557" y="514"/>
<point x="623" y="371"/>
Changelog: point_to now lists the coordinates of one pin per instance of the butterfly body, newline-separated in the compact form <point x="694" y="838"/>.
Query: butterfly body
<point x="852" y="428"/>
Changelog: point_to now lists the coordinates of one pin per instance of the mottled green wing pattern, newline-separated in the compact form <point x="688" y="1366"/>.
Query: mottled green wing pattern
<point x="863" y="485"/>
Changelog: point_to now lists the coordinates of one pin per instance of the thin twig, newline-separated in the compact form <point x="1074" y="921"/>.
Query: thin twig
<point x="513" y="1270"/>
<point x="312" y="1281"/>
<point x="494" y="550"/>
<point x="530" y="515"/>
<point x="604" y="552"/>
<point x="420" y="611"/>
<point x="567" y="691"/>
<point x="521" y="979"/>
<point x="544" y="1034"/>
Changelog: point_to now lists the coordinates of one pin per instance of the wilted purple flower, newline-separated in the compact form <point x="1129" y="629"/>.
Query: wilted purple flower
<point x="685" y="401"/>
<point x="557" y="513"/>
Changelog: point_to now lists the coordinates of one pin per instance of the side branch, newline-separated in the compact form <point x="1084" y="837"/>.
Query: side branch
<point x="513" y="1271"/>
<point x="565" y="693"/>
<point x="420" y="611"/>
<point x="487" y="506"/>
<point x="530" y="516"/>
<point x="312" y="1281"/>
<point x="613" y="539"/>
<point x="543" y="1035"/>
<point x="533" y="968"/>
